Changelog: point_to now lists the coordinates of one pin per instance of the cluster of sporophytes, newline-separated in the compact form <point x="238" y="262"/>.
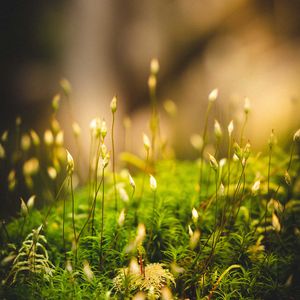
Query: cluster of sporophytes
<point x="215" y="228"/>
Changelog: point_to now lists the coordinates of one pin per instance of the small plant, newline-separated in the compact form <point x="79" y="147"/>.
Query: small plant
<point x="32" y="260"/>
<point x="113" y="107"/>
<point x="151" y="280"/>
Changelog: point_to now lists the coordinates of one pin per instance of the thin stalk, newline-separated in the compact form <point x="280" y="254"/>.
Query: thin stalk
<point x="236" y="191"/>
<point x="241" y="197"/>
<point x="152" y="219"/>
<point x="63" y="229"/>
<point x="213" y="234"/>
<point x="229" y="165"/>
<point x="5" y="230"/>
<point x="209" y="171"/>
<point x="90" y="169"/>
<point x="136" y="210"/>
<point x="142" y="270"/>
<point x="144" y="176"/>
<point x="154" y="121"/>
<point x="239" y="181"/>
<point x="280" y="184"/>
<point x="154" y="204"/>
<point x="23" y="225"/>
<point x="73" y="216"/>
<point x="220" y="278"/>
<point x="95" y="186"/>
<point x="243" y="130"/>
<point x="204" y="134"/>
<point x="90" y="213"/>
<point x="113" y="160"/>
<point x="269" y="168"/>
<point x="102" y="222"/>
<point x="56" y="198"/>
<point x="216" y="208"/>
<point x="78" y="146"/>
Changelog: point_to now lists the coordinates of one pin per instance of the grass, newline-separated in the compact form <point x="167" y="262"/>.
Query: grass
<point x="121" y="236"/>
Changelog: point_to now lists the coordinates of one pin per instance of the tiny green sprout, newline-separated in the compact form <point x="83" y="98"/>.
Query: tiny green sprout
<point x="230" y="128"/>
<point x="218" y="130"/>
<point x="121" y="218"/>
<point x="195" y="215"/>
<point x="247" y="106"/>
<point x="113" y="104"/>
<point x="56" y="102"/>
<point x="153" y="183"/>
<point x="48" y="137"/>
<point x="95" y="127"/>
<point x="70" y="163"/>
<point x="194" y="239"/>
<point x="30" y="202"/>
<point x="222" y="162"/>
<point x="25" y="142"/>
<point x="89" y="274"/>
<point x="191" y="232"/>
<point x="131" y="181"/>
<point x="296" y="137"/>
<point x="255" y="186"/>
<point x="103" y="129"/>
<point x="213" y="95"/>
<point x="24" y="208"/>
<point x="66" y="86"/>
<point x="213" y="162"/>
<point x="35" y="138"/>
<point x="154" y="66"/>
<point x="235" y="158"/>
<point x="146" y="141"/>
<point x="76" y="129"/>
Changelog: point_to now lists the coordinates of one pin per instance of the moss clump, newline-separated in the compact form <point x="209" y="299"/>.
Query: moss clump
<point x="215" y="228"/>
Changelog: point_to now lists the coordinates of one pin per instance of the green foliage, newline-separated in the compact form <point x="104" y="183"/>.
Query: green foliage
<point x="32" y="259"/>
<point x="213" y="228"/>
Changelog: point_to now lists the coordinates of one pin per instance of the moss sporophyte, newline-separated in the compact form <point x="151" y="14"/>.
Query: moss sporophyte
<point x="223" y="226"/>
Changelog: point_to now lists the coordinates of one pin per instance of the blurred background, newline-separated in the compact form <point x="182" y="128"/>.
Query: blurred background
<point x="243" y="47"/>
